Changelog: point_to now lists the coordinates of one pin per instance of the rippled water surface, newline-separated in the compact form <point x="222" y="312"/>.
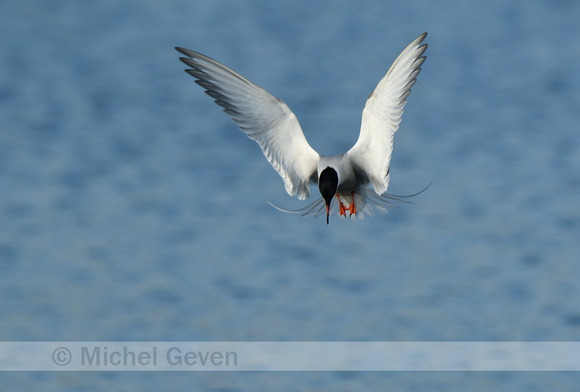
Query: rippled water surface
<point x="132" y="209"/>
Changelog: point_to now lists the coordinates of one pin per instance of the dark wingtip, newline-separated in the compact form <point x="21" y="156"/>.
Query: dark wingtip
<point x="183" y="51"/>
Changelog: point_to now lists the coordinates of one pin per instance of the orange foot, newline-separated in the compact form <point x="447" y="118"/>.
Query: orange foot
<point x="341" y="206"/>
<point x="342" y="209"/>
<point x="352" y="207"/>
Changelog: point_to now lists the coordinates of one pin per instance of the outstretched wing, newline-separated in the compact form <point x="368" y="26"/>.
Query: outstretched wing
<point x="263" y="117"/>
<point x="381" y="116"/>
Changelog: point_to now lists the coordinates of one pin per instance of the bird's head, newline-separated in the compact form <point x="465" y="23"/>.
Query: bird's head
<point x="328" y="184"/>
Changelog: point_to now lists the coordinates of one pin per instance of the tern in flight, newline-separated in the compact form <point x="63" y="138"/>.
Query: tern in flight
<point x="346" y="177"/>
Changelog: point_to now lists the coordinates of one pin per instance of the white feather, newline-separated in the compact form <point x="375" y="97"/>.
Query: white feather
<point x="263" y="117"/>
<point x="371" y="155"/>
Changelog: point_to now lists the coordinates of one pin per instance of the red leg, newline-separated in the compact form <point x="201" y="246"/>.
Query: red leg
<point x="341" y="207"/>
<point x="352" y="207"/>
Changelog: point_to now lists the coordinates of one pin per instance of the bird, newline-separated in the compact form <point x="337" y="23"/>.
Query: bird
<point x="346" y="177"/>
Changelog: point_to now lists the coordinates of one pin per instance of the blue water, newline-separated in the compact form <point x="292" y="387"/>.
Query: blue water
<point x="131" y="208"/>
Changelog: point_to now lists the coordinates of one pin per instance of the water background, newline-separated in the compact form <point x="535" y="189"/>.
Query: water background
<point x="131" y="208"/>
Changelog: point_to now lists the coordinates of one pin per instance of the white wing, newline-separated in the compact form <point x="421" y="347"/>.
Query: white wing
<point x="263" y="117"/>
<point x="381" y="116"/>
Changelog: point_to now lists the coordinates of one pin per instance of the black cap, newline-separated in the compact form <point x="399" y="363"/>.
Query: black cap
<point x="328" y="184"/>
